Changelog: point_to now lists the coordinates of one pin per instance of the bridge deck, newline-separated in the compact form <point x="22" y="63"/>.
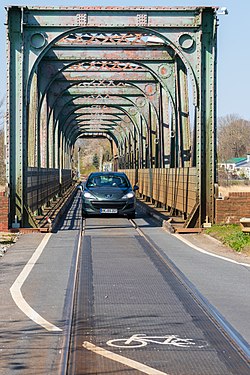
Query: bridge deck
<point x="130" y="292"/>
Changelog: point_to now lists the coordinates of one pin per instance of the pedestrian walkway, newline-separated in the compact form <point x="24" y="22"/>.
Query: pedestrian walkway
<point x="35" y="288"/>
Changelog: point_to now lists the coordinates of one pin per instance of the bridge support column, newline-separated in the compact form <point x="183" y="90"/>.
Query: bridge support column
<point x="207" y="137"/>
<point x="16" y="130"/>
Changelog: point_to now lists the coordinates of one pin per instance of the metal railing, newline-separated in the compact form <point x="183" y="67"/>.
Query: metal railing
<point x="176" y="188"/>
<point x="43" y="184"/>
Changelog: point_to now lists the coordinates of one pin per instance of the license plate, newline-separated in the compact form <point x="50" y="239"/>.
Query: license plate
<point x="108" y="210"/>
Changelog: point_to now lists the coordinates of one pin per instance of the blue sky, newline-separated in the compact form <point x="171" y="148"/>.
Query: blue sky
<point x="233" y="46"/>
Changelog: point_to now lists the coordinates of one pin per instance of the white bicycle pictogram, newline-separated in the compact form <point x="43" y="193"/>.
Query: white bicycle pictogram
<point x="140" y="340"/>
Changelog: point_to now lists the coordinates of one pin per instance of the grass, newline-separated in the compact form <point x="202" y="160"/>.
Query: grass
<point x="231" y="235"/>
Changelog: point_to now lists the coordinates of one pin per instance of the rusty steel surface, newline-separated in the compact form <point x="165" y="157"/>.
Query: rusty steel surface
<point x="143" y="77"/>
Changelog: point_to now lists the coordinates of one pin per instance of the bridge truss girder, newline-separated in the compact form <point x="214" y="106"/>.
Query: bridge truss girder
<point x="145" y="79"/>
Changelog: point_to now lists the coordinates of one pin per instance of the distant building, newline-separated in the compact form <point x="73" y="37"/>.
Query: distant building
<point x="237" y="166"/>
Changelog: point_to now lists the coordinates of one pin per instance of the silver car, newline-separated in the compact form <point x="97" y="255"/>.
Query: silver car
<point x="108" y="193"/>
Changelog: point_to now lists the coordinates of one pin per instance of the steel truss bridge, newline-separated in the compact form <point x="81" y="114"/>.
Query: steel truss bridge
<point x="145" y="78"/>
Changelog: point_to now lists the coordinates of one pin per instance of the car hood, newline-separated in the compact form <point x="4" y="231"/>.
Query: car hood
<point x="109" y="193"/>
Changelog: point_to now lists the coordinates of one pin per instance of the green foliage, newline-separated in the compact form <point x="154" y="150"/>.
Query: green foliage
<point x="230" y="235"/>
<point x="238" y="241"/>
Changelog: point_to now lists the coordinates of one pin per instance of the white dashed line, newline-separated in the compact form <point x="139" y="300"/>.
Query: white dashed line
<point x="16" y="293"/>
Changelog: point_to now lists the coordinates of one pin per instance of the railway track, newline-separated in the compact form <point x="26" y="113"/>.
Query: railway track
<point x="109" y="309"/>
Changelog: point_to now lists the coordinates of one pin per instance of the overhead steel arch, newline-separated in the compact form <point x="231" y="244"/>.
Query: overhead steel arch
<point x="155" y="65"/>
<point x="108" y="86"/>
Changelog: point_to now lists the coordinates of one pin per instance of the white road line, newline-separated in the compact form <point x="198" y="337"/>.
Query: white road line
<point x="209" y="253"/>
<point x="16" y="293"/>
<point x="125" y="361"/>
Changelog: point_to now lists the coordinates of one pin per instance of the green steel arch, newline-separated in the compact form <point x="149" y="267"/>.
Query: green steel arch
<point x="145" y="78"/>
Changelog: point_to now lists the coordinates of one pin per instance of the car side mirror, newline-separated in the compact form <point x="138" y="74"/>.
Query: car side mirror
<point x="135" y="188"/>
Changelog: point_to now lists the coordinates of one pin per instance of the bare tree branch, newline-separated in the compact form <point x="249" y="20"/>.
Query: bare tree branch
<point x="233" y="137"/>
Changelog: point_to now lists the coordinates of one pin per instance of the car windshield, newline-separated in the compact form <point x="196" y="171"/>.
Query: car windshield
<point x="107" y="180"/>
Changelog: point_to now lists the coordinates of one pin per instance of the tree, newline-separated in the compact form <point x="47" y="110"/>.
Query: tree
<point x="90" y="147"/>
<point x="233" y="137"/>
<point x="95" y="161"/>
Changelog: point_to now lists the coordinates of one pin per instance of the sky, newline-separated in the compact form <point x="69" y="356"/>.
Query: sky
<point x="233" y="95"/>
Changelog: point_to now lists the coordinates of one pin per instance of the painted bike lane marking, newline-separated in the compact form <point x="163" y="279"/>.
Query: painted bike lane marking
<point x="141" y="340"/>
<point x="124" y="360"/>
<point x="16" y="293"/>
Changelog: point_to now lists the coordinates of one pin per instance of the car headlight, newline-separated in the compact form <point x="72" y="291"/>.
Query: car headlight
<point x="87" y="195"/>
<point x="128" y="195"/>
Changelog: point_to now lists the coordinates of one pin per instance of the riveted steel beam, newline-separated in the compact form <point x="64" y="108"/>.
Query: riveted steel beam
<point x="17" y="158"/>
<point x="143" y="55"/>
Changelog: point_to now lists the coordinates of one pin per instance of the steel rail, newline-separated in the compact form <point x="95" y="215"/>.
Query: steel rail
<point x="67" y="337"/>
<point x="229" y="333"/>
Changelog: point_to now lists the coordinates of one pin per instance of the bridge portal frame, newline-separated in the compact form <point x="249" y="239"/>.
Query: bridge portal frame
<point x="37" y="35"/>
